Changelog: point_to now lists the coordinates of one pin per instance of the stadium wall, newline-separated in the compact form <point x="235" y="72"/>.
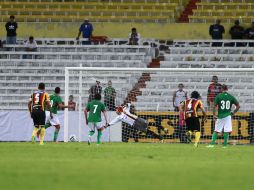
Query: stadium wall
<point x="117" y="30"/>
<point x="18" y="126"/>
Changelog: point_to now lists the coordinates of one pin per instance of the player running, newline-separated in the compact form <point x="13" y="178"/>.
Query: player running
<point x="36" y="106"/>
<point x="136" y="122"/>
<point x="56" y="103"/>
<point x="190" y="108"/>
<point x="95" y="107"/>
<point x="223" y="104"/>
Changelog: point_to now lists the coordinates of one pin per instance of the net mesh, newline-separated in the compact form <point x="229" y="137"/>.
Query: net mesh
<point x="150" y="93"/>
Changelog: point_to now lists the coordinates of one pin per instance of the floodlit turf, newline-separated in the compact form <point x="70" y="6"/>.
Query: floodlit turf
<point x="117" y="166"/>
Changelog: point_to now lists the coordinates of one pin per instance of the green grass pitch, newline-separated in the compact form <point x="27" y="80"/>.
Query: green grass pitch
<point x="120" y="166"/>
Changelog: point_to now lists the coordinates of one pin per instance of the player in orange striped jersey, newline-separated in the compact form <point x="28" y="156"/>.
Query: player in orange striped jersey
<point x="190" y="108"/>
<point x="36" y="105"/>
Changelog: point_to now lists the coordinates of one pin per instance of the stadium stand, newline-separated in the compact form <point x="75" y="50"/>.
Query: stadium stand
<point x="96" y="10"/>
<point x="158" y="88"/>
<point x="225" y="10"/>
<point x="19" y="77"/>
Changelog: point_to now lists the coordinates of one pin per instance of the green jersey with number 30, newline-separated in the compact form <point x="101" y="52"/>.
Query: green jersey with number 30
<point x="95" y="108"/>
<point x="224" y="101"/>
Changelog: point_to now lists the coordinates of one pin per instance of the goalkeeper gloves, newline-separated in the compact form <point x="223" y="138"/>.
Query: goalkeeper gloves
<point x="107" y="125"/>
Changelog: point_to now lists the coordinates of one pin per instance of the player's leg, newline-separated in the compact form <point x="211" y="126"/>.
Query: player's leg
<point x="142" y="125"/>
<point x="99" y="128"/>
<point x="47" y="121"/>
<point x="35" y="130"/>
<point x="196" y="126"/>
<point x="153" y="135"/>
<point x="57" y="129"/>
<point x="42" y="126"/>
<point x="189" y="129"/>
<point x="54" y="121"/>
<point x="227" y="129"/>
<point x="219" y="124"/>
<point x="91" y="132"/>
<point x="35" y="118"/>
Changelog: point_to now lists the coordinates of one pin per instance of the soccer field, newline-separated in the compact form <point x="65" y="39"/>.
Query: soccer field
<point x="25" y="166"/>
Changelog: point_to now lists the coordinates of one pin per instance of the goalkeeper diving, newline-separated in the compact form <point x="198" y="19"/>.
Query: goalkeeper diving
<point x="134" y="121"/>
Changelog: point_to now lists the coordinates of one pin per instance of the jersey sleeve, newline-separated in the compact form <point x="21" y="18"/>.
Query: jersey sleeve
<point x="59" y="100"/>
<point x="114" y="121"/>
<point x="216" y="100"/>
<point x="103" y="107"/>
<point x="234" y="101"/>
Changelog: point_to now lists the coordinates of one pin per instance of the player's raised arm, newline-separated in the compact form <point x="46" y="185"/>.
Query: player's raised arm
<point x="119" y="111"/>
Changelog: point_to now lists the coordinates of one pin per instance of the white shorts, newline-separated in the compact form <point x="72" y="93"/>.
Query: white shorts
<point x="97" y="125"/>
<point x="224" y="123"/>
<point x="54" y="121"/>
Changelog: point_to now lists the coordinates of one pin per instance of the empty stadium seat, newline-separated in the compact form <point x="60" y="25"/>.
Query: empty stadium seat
<point x="97" y="11"/>
<point x="225" y="10"/>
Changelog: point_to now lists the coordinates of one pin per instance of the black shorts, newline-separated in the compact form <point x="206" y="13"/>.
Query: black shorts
<point x="38" y="116"/>
<point x="192" y="124"/>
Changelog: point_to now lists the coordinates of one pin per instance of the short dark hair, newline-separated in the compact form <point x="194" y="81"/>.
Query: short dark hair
<point x="133" y="29"/>
<point x="57" y="90"/>
<point x="12" y="17"/>
<point x="195" y="95"/>
<point x="41" y="86"/>
<point x="97" y="97"/>
<point x="31" y="38"/>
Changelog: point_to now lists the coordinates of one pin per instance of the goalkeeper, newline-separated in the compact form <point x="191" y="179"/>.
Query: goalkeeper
<point x="136" y="122"/>
<point x="223" y="102"/>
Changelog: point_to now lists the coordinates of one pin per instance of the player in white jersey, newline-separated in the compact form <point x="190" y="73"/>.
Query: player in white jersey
<point x="179" y="96"/>
<point x="136" y="122"/>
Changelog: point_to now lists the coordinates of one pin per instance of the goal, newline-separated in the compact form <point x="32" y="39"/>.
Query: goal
<point x="150" y="92"/>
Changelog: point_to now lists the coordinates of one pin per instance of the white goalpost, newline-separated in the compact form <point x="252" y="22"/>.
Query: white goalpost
<point x="150" y="92"/>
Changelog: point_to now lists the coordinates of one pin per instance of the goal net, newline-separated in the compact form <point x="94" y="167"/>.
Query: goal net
<point x="154" y="96"/>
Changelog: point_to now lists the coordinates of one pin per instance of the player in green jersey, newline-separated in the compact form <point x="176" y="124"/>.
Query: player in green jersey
<point x="93" y="119"/>
<point x="56" y="103"/>
<point x="223" y="103"/>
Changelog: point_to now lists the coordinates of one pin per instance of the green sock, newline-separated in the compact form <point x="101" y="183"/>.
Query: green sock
<point x="226" y="136"/>
<point x="47" y="125"/>
<point x="56" y="134"/>
<point x="99" y="137"/>
<point x="91" y="133"/>
<point x="214" y="138"/>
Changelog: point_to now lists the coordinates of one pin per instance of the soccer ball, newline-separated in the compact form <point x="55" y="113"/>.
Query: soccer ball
<point x="73" y="138"/>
